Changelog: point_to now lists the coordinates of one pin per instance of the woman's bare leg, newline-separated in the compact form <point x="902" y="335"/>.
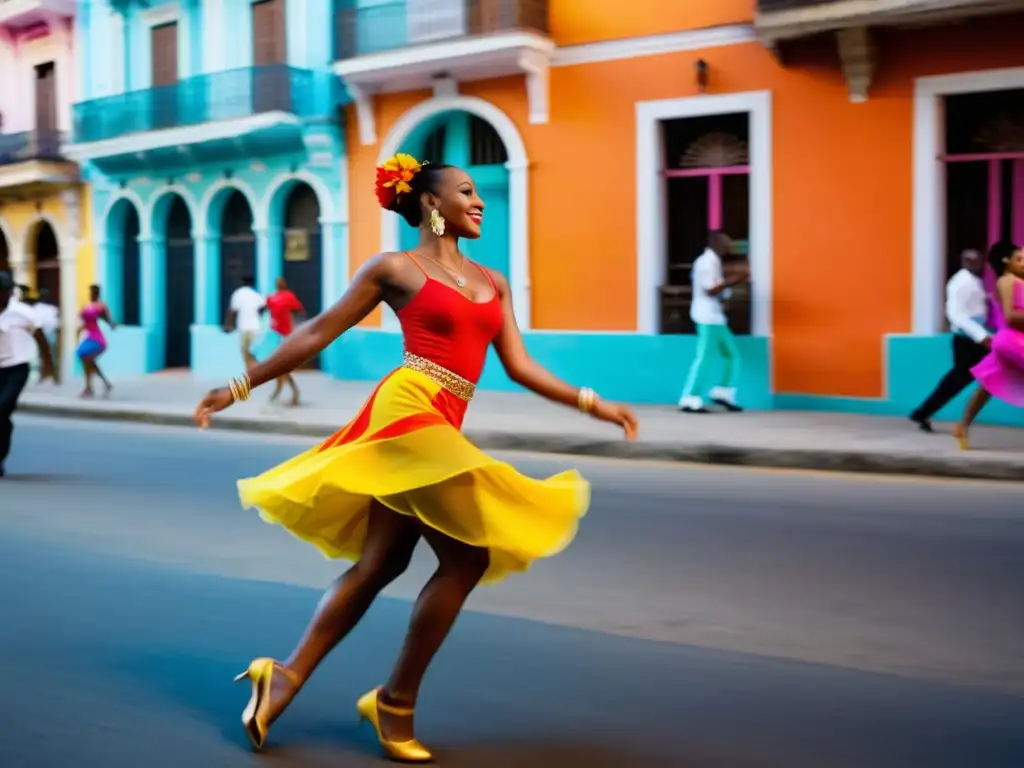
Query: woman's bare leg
<point x="978" y="401"/>
<point x="460" y="568"/>
<point x="87" y="367"/>
<point x="390" y="541"/>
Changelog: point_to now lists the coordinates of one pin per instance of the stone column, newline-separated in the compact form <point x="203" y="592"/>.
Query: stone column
<point x="153" y="276"/>
<point x="207" y="279"/>
<point x="269" y="258"/>
<point x="69" y="297"/>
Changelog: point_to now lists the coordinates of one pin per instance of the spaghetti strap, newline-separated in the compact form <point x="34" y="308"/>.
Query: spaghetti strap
<point x="416" y="261"/>
<point x="487" y="275"/>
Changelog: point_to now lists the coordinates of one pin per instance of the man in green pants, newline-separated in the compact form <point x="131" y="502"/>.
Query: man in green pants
<point x="714" y="339"/>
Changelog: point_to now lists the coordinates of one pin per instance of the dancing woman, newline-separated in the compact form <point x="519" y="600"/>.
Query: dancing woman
<point x="1001" y="372"/>
<point x="95" y="343"/>
<point x="402" y="470"/>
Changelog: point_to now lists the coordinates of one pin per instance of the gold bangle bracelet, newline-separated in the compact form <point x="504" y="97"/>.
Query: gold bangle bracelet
<point x="586" y="399"/>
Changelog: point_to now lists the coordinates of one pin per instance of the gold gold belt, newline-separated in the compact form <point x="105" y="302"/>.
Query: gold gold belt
<point x="458" y="386"/>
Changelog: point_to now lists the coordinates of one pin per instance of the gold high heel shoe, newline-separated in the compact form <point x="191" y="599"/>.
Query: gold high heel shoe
<point x="961" y="439"/>
<point x="260" y="673"/>
<point x="370" y="706"/>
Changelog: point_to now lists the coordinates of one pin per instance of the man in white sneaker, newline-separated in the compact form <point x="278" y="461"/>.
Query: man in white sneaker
<point x="714" y="339"/>
<point x="20" y="335"/>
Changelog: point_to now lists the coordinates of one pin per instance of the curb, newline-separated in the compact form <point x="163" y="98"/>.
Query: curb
<point x="708" y="453"/>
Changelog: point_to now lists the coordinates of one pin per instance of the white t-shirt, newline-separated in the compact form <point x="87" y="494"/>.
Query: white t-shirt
<point x="706" y="274"/>
<point x="246" y="302"/>
<point x="18" y="323"/>
<point x="49" y="316"/>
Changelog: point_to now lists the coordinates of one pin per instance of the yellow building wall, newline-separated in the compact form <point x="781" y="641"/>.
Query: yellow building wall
<point x="19" y="220"/>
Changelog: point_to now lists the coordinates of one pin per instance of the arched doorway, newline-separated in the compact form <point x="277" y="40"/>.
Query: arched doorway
<point x="303" y="250"/>
<point x="237" y="247"/>
<point x="46" y="260"/>
<point x="470" y="142"/>
<point x="179" y="298"/>
<point x="126" y="226"/>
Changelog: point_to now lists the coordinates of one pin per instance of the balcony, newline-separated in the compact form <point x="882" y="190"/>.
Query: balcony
<point x="413" y="44"/>
<point x="33" y="160"/>
<point x="234" y="113"/>
<point x="17" y="14"/>
<point x="778" y="20"/>
<point x="852" y="21"/>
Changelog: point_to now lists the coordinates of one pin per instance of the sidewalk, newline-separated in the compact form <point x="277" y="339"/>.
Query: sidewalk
<point x="513" y="421"/>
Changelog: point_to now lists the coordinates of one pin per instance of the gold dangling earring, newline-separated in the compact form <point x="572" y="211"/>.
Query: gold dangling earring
<point x="437" y="222"/>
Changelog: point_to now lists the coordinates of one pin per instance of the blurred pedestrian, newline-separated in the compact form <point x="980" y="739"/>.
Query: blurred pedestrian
<point x="244" y="310"/>
<point x="967" y="309"/>
<point x="715" y="341"/>
<point x="93" y="343"/>
<point x="20" y="337"/>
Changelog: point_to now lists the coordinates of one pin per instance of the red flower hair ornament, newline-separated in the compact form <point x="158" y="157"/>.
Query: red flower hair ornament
<point x="394" y="178"/>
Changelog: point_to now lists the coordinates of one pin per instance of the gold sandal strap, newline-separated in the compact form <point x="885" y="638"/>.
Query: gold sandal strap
<point x="393" y="710"/>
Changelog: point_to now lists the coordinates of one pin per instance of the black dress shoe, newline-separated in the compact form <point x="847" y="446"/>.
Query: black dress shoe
<point x="691" y="409"/>
<point x="925" y="425"/>
<point x="731" y="407"/>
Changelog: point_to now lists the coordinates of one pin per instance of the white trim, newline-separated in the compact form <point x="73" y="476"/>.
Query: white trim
<point x="518" y="190"/>
<point x="170" y="190"/>
<point x="650" y="199"/>
<point x="13" y="245"/>
<point x="653" y="45"/>
<point x="141" y="209"/>
<point x="176" y="137"/>
<point x="928" y="202"/>
<point x="258" y="221"/>
<point x="328" y="207"/>
<point x="168" y="13"/>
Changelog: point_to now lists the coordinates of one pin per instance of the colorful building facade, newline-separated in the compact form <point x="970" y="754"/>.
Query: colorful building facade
<point x="851" y="153"/>
<point x="607" y="143"/>
<point x="44" y="231"/>
<point x="209" y="133"/>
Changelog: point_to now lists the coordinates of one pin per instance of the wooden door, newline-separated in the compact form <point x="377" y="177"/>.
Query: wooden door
<point x="164" y="71"/>
<point x="271" y="87"/>
<point x="46" y="101"/>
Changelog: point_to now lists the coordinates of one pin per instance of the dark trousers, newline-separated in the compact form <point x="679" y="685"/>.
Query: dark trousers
<point x="12" y="381"/>
<point x="966" y="355"/>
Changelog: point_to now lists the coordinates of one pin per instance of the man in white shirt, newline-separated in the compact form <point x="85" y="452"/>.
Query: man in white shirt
<point x="244" y="314"/>
<point x="714" y="339"/>
<point x="967" y="305"/>
<point x="20" y="335"/>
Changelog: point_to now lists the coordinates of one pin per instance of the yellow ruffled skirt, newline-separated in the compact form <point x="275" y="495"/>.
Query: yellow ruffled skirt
<point x="404" y="450"/>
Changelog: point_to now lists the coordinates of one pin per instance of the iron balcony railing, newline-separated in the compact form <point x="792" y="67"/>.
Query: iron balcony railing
<point x="30" y="145"/>
<point x="388" y="26"/>
<point x="207" y="98"/>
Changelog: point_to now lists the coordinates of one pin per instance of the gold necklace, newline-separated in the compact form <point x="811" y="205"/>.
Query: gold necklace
<point x="459" y="279"/>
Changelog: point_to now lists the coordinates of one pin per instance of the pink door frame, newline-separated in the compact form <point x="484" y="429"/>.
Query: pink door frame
<point x="714" y="177"/>
<point x="995" y="192"/>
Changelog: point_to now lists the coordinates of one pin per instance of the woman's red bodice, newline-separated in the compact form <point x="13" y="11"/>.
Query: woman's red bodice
<point x="447" y="328"/>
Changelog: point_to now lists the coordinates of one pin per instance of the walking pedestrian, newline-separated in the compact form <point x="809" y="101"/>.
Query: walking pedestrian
<point x="714" y="339"/>
<point x="20" y="337"/>
<point x="95" y="343"/>
<point x="402" y="469"/>
<point x="244" y="315"/>
<point x="967" y="308"/>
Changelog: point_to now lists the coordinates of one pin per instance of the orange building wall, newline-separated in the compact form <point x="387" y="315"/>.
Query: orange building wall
<point x="842" y="207"/>
<point x="589" y="21"/>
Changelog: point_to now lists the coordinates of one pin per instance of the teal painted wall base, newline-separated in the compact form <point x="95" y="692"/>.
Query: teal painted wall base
<point x="131" y="351"/>
<point x="640" y="369"/>
<point x="914" y="365"/>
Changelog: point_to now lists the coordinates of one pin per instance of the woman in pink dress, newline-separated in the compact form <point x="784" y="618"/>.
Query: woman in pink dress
<point x="94" y="342"/>
<point x="1001" y="373"/>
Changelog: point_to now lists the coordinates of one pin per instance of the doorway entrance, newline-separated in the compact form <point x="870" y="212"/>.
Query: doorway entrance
<point x="707" y="182"/>
<point x="180" y="294"/>
<point x="46" y="259"/>
<point x="303" y="251"/>
<point x="984" y="156"/>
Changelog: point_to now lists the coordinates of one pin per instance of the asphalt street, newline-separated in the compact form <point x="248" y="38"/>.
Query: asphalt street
<point x="704" y="617"/>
